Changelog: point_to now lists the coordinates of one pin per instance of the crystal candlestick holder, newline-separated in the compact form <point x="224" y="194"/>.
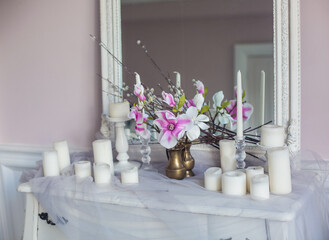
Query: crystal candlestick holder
<point x="146" y="151"/>
<point x="240" y="154"/>
<point x="121" y="146"/>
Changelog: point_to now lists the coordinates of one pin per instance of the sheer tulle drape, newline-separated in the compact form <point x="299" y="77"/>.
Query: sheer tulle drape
<point x="162" y="208"/>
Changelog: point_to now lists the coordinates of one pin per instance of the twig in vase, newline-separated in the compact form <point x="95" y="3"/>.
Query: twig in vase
<point x="139" y="43"/>
<point x="103" y="45"/>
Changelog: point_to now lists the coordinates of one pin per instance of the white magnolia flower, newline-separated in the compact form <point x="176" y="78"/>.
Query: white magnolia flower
<point x="198" y="101"/>
<point x="218" y="98"/>
<point x="197" y="121"/>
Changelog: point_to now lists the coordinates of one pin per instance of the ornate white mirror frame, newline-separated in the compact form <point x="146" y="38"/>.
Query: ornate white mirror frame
<point x="286" y="40"/>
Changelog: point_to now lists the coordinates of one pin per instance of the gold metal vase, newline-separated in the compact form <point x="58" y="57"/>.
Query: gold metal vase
<point x="188" y="160"/>
<point x="175" y="168"/>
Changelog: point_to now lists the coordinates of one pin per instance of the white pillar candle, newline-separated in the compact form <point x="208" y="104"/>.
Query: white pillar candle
<point x="103" y="152"/>
<point x="234" y="183"/>
<point x="239" y="120"/>
<point x="102" y="173"/>
<point x="129" y="176"/>
<point x="272" y="136"/>
<point x="251" y="172"/>
<point x="262" y="98"/>
<point x="279" y="170"/>
<point x="119" y="110"/>
<point x="82" y="169"/>
<point x="259" y="187"/>
<point x="137" y="78"/>
<point x="62" y="149"/>
<point x="50" y="164"/>
<point x="212" y="179"/>
<point x="178" y="82"/>
<point x="227" y="155"/>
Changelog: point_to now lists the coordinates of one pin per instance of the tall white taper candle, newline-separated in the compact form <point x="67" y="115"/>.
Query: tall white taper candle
<point x="239" y="123"/>
<point x="262" y="98"/>
<point x="138" y="78"/>
<point x="178" y="82"/>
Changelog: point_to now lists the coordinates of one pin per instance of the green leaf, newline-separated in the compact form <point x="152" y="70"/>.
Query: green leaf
<point x="243" y="94"/>
<point x="174" y="109"/>
<point x="205" y="92"/>
<point x="181" y="101"/>
<point x="204" y="109"/>
<point x="225" y="104"/>
<point x="150" y="118"/>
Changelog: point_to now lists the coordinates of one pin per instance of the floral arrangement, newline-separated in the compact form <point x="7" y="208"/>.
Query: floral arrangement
<point x="179" y="119"/>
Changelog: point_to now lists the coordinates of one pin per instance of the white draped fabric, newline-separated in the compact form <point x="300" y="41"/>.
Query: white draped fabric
<point x="163" y="208"/>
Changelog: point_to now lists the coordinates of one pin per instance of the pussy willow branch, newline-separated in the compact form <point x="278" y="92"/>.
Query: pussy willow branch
<point x="103" y="45"/>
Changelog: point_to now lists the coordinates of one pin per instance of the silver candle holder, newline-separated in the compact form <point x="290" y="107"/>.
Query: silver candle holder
<point x="240" y="154"/>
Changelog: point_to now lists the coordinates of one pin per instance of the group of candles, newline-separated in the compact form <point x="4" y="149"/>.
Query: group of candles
<point x="238" y="182"/>
<point x="56" y="160"/>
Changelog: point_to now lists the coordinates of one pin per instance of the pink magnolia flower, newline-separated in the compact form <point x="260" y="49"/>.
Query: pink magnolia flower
<point x="199" y="86"/>
<point x="140" y="118"/>
<point x="190" y="103"/>
<point x="139" y="92"/>
<point x="247" y="110"/>
<point x="168" y="98"/>
<point x="136" y="115"/>
<point x="172" y="128"/>
<point x="142" y="131"/>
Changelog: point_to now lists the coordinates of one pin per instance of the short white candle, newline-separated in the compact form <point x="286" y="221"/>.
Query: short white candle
<point x="212" y="179"/>
<point x="262" y="98"/>
<point x="239" y="120"/>
<point x="178" y="81"/>
<point x="251" y="172"/>
<point x="62" y="149"/>
<point x="227" y="155"/>
<point x="119" y="109"/>
<point x="82" y="169"/>
<point x="279" y="170"/>
<point x="103" y="152"/>
<point x="234" y="183"/>
<point x="102" y="173"/>
<point x="259" y="187"/>
<point x="137" y="78"/>
<point x="50" y="164"/>
<point x="129" y="176"/>
<point x="272" y="136"/>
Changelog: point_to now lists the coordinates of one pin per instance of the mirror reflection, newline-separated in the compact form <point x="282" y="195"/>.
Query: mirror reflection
<point x="207" y="40"/>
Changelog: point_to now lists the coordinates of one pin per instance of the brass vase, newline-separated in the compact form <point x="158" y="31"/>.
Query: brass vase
<point x="188" y="160"/>
<point x="175" y="168"/>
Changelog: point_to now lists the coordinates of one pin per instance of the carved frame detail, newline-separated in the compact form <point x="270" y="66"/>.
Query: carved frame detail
<point x="286" y="40"/>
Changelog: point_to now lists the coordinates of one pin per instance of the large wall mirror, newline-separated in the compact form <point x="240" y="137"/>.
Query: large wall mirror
<point x="210" y="40"/>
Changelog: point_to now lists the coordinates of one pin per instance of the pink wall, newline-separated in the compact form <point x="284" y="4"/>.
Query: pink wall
<point x="314" y="74"/>
<point x="49" y="89"/>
